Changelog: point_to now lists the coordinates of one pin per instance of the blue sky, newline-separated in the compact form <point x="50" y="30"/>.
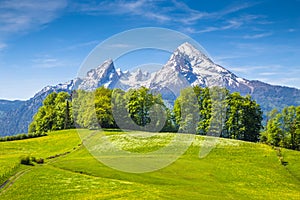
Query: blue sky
<point x="44" y="42"/>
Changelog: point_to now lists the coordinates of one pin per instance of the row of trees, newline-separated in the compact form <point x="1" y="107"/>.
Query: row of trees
<point x="107" y="108"/>
<point x="205" y="111"/>
<point x="283" y="128"/>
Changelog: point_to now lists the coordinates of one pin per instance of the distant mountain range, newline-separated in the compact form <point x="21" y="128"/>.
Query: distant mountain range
<point x="187" y="66"/>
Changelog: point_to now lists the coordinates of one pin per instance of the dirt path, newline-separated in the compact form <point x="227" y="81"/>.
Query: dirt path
<point x="7" y="184"/>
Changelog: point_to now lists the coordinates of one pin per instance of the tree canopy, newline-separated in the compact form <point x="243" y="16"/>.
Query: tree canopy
<point x="54" y="114"/>
<point x="283" y="129"/>
<point x="203" y="110"/>
<point x="206" y="111"/>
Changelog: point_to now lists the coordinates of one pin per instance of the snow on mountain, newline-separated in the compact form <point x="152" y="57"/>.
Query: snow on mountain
<point x="188" y="66"/>
<point x="135" y="79"/>
<point x="105" y="74"/>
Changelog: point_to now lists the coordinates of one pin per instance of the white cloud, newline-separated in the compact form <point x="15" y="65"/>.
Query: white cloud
<point x="167" y="11"/>
<point x="119" y="45"/>
<point x="18" y="16"/>
<point x="291" y="30"/>
<point x="83" y="44"/>
<point x="144" y="8"/>
<point x="268" y="73"/>
<point x="231" y="24"/>
<point x="47" y="61"/>
<point x="247" y="69"/>
<point x="2" y="46"/>
<point x="257" y="36"/>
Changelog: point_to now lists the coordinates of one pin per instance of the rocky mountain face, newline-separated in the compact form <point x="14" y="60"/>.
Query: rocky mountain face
<point x="187" y="66"/>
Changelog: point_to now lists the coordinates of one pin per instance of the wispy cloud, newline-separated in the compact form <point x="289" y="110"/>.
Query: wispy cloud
<point x="247" y="69"/>
<point x="291" y="30"/>
<point x="18" y="16"/>
<point x="232" y="24"/>
<point x="47" y="61"/>
<point x="161" y="11"/>
<point x="81" y="45"/>
<point x="119" y="45"/>
<point x="272" y="74"/>
<point x="2" y="46"/>
<point x="257" y="36"/>
<point x="285" y="81"/>
<point x="268" y="73"/>
<point x="144" y="8"/>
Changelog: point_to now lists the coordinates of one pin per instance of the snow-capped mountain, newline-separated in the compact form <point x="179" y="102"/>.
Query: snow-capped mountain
<point x="187" y="66"/>
<point x="134" y="79"/>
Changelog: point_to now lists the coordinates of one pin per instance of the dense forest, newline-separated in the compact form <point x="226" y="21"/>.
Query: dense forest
<point x="205" y="111"/>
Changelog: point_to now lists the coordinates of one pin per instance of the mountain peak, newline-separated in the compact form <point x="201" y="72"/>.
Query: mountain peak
<point x="104" y="74"/>
<point x="190" y="50"/>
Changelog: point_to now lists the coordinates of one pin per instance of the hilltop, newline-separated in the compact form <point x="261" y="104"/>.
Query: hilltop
<point x="233" y="170"/>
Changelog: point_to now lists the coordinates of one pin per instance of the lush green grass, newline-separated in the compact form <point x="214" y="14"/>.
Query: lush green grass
<point x="42" y="147"/>
<point x="233" y="170"/>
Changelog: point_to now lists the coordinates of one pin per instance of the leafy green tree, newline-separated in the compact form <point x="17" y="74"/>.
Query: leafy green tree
<point x="219" y="98"/>
<point x="215" y="112"/>
<point x="84" y="110"/>
<point x="119" y="109"/>
<point x="244" y="117"/>
<point x="283" y="129"/>
<point x="204" y="105"/>
<point x="186" y="111"/>
<point x="53" y="115"/>
<point x="142" y="105"/>
<point x="68" y="119"/>
<point x="103" y="107"/>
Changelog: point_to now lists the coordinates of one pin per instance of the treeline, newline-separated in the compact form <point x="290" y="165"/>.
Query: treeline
<point x="283" y="128"/>
<point x="21" y="136"/>
<point x="205" y="111"/>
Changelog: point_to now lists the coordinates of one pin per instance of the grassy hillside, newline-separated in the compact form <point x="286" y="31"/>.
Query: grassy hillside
<point x="233" y="170"/>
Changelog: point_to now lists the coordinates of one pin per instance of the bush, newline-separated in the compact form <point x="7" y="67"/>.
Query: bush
<point x="26" y="160"/>
<point x="40" y="161"/>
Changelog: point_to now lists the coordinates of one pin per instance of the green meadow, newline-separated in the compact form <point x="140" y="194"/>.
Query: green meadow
<point x="232" y="170"/>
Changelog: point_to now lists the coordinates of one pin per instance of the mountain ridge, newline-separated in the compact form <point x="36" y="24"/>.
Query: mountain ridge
<point x="187" y="66"/>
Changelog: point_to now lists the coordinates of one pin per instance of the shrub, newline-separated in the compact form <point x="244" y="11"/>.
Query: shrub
<point x="26" y="160"/>
<point x="39" y="161"/>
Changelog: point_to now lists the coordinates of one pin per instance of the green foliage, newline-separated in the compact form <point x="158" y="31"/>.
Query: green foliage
<point x="21" y="136"/>
<point x="103" y="107"/>
<point x="204" y="110"/>
<point x="283" y="129"/>
<point x="39" y="161"/>
<point x="84" y="109"/>
<point x="186" y="110"/>
<point x="244" y="118"/>
<point x="26" y="160"/>
<point x="107" y="108"/>
<point x="142" y="105"/>
<point x="55" y="114"/>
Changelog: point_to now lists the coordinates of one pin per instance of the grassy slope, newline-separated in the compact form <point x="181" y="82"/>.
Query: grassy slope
<point x="233" y="170"/>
